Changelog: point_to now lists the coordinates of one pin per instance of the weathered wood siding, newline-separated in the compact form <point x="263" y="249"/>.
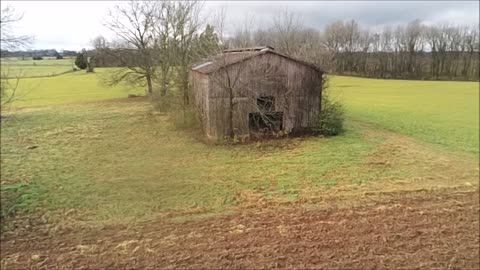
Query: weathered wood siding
<point x="295" y="87"/>
<point x="199" y="85"/>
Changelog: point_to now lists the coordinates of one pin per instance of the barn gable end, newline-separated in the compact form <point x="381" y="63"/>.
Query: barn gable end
<point x="255" y="90"/>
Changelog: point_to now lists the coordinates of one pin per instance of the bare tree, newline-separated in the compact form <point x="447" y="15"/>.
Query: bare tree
<point x="472" y="43"/>
<point x="432" y="37"/>
<point x="133" y="23"/>
<point x="311" y="48"/>
<point x="333" y="40"/>
<point x="365" y="43"/>
<point x="414" y="43"/>
<point x="218" y="23"/>
<point x="9" y="17"/>
<point x="100" y="45"/>
<point x="186" y="24"/>
<point x="176" y="36"/>
<point x="287" y="26"/>
<point x="8" y="89"/>
<point x="386" y="50"/>
<point x="351" y="39"/>
<point x="243" y="36"/>
<point x="9" y="40"/>
<point x="163" y="42"/>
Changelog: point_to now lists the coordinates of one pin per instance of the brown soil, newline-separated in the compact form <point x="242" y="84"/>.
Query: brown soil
<point x="405" y="230"/>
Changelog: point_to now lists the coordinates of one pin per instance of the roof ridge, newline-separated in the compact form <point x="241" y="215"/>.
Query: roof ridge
<point x="248" y="49"/>
<point x="213" y="64"/>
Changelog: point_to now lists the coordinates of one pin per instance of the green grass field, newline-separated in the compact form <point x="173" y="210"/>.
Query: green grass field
<point x="68" y="88"/>
<point x="36" y="68"/>
<point x="45" y="62"/>
<point x="67" y="145"/>
<point x="443" y="113"/>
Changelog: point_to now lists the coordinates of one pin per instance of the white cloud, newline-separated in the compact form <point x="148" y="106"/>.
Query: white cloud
<point x="61" y="25"/>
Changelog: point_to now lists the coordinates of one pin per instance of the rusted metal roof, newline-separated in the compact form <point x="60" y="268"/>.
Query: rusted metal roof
<point x="233" y="56"/>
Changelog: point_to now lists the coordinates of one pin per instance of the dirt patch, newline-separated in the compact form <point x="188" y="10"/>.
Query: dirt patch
<point x="404" y="230"/>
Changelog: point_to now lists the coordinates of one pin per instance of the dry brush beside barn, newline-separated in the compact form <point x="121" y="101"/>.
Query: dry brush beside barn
<point x="249" y="91"/>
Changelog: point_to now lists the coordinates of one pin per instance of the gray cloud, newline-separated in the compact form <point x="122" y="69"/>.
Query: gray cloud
<point x="54" y="29"/>
<point x="368" y="13"/>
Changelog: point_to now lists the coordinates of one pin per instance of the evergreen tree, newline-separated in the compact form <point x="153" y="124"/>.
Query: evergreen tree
<point x="58" y="55"/>
<point x="81" y="61"/>
<point x="208" y="42"/>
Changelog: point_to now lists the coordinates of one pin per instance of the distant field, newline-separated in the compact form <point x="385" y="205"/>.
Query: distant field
<point x="44" y="62"/>
<point x="443" y="113"/>
<point x="69" y="88"/>
<point x="35" y="68"/>
<point x="34" y="71"/>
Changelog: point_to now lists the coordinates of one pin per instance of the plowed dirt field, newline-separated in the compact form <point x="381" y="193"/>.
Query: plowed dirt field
<point x="426" y="229"/>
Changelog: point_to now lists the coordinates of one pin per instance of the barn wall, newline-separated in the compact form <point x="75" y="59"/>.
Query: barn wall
<point x="199" y="84"/>
<point x="295" y="87"/>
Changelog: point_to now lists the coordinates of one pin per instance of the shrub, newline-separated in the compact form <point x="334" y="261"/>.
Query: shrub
<point x="332" y="114"/>
<point x="184" y="120"/>
<point x="330" y="120"/>
<point x="37" y="58"/>
<point x="163" y="103"/>
<point x="180" y="116"/>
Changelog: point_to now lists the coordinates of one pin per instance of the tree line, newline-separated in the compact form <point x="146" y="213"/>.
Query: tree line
<point x="23" y="54"/>
<point x="411" y="51"/>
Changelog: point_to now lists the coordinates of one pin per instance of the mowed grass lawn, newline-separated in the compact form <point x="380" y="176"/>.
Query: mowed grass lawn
<point x="71" y="146"/>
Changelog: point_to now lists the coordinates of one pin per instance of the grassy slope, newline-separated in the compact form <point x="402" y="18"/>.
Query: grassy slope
<point x="114" y="160"/>
<point x="121" y="162"/>
<point x="444" y="113"/>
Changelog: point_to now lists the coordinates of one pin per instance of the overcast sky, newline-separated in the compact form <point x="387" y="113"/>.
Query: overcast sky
<point x="70" y="25"/>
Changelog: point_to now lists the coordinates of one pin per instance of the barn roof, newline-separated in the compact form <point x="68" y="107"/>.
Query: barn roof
<point x="233" y="56"/>
<point x="258" y="48"/>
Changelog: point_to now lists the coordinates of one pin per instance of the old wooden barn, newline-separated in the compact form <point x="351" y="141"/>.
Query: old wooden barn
<point x="253" y="91"/>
